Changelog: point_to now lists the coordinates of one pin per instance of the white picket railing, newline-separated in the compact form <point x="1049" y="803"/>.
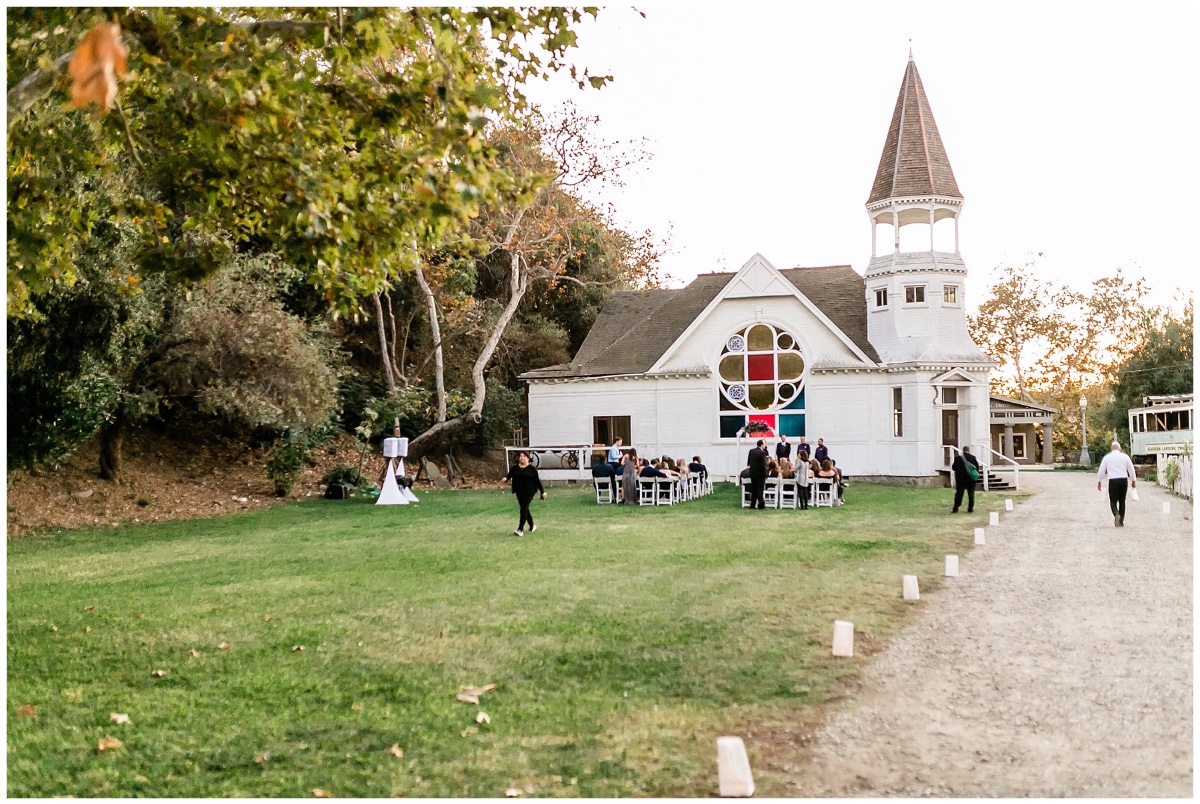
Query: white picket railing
<point x="1183" y="483"/>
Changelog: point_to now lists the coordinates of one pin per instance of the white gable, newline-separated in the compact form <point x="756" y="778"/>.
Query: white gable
<point x="787" y="304"/>
<point x="756" y="279"/>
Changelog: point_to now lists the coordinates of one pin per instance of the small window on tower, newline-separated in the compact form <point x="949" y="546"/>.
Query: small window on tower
<point x="949" y="294"/>
<point x="881" y="297"/>
<point x="914" y="294"/>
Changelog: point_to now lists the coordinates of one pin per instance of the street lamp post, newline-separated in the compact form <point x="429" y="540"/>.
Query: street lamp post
<point x="1084" y="458"/>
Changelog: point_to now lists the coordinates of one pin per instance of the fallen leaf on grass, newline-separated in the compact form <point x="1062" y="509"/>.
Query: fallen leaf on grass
<point x="87" y="629"/>
<point x="118" y="718"/>
<point x="158" y="673"/>
<point x="397" y="751"/>
<point x="141" y="616"/>
<point x="89" y="608"/>
<point x="319" y="793"/>
<point x="482" y="717"/>
<point x="297" y="648"/>
<point x="224" y="646"/>
<point x="261" y="758"/>
<point x="27" y="710"/>
<point x="357" y="707"/>
<point x="471" y="694"/>
<point x="193" y="653"/>
<point x="512" y="792"/>
<point x="267" y="619"/>
<point x="108" y="744"/>
<point x="98" y="60"/>
<point x="54" y="628"/>
<point x="469" y="730"/>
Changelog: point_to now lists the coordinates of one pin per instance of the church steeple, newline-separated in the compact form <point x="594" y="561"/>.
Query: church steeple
<point x="916" y="298"/>
<point x="914" y="161"/>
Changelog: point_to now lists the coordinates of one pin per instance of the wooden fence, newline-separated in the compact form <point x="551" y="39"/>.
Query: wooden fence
<point x="1183" y="483"/>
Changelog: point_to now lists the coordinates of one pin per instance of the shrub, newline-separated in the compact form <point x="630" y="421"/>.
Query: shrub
<point x="346" y="476"/>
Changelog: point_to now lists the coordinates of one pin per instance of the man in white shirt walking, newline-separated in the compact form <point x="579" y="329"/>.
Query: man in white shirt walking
<point x="1118" y="468"/>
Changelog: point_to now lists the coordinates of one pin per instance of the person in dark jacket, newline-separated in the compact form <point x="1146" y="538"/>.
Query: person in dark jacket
<point x="822" y="451"/>
<point x="963" y="480"/>
<point x="525" y="484"/>
<point x="783" y="449"/>
<point x="695" y="467"/>
<point x="757" y="463"/>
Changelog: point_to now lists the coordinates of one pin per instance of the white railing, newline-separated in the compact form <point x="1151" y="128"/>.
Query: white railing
<point x="1183" y="483"/>
<point x="982" y="453"/>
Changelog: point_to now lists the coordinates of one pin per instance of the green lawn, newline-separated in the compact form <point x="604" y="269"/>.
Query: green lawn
<point x="623" y="641"/>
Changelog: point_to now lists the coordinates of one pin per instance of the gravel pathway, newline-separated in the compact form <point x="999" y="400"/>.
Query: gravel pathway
<point x="1058" y="663"/>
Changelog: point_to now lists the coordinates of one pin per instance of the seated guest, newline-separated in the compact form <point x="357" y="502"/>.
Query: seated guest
<point x="841" y="484"/>
<point x="666" y="463"/>
<point x="603" y="470"/>
<point x="745" y="473"/>
<point x="772" y="468"/>
<point x="786" y="468"/>
<point x="695" y="466"/>
<point x="654" y="469"/>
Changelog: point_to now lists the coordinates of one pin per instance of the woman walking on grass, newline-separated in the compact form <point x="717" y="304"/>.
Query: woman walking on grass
<point x="525" y="483"/>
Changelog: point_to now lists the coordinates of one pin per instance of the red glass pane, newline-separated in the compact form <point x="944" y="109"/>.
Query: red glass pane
<point x="766" y="418"/>
<point x="761" y="367"/>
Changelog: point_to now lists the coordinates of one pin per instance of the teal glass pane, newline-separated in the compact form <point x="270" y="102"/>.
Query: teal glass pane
<point x="730" y="425"/>
<point x="797" y="403"/>
<point x="791" y="425"/>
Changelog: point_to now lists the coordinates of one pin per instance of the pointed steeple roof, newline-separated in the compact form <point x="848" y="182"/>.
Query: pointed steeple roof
<point x="914" y="161"/>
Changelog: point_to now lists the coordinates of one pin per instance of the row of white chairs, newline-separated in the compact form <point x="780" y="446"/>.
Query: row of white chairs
<point x="654" y="490"/>
<point x="785" y="492"/>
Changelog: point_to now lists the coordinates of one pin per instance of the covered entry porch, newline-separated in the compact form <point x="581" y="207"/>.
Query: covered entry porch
<point x="1014" y="430"/>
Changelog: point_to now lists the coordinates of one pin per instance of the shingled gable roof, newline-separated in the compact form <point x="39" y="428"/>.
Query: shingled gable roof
<point x="914" y="161"/>
<point x="618" y="344"/>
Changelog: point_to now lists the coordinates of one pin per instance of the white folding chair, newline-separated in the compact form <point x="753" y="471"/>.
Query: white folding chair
<point x="823" y="493"/>
<point x="771" y="492"/>
<point x="745" y="484"/>
<point x="664" y="491"/>
<point x="604" y="490"/>
<point x="789" y="493"/>
<point x="646" y="490"/>
<point x="695" y="486"/>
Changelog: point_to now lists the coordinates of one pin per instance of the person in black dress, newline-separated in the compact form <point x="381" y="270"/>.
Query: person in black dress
<point x="525" y="484"/>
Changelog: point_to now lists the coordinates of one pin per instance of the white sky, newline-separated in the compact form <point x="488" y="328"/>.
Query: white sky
<point x="1070" y="131"/>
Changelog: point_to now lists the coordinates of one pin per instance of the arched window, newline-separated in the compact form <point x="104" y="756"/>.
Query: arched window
<point x="761" y="373"/>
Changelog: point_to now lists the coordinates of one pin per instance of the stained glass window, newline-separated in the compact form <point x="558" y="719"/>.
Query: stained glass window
<point x="762" y="372"/>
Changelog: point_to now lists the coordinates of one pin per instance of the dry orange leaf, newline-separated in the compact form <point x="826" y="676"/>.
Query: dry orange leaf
<point x="397" y="751"/>
<point x="158" y="673"/>
<point x="118" y="718"/>
<point x="261" y="758"/>
<point x="267" y="619"/>
<point x="482" y="717"/>
<point x="319" y="793"/>
<point x="89" y="608"/>
<point x="224" y="646"/>
<point x="471" y="694"/>
<point x="108" y="743"/>
<point x="27" y="710"/>
<point x="94" y="68"/>
<point x="193" y="653"/>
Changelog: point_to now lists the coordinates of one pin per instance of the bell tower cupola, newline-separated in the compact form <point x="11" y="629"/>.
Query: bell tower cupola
<point x="916" y="278"/>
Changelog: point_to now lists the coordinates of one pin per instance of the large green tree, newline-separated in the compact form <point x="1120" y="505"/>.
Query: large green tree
<point x="1160" y="364"/>
<point x="346" y="139"/>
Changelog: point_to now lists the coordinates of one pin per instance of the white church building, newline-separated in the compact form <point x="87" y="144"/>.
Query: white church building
<point x="880" y="366"/>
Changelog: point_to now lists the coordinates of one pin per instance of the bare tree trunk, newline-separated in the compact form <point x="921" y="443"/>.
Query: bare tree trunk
<point x="399" y="369"/>
<point x="426" y="441"/>
<point x="383" y="346"/>
<point x="404" y="346"/>
<point x="111" y="436"/>
<point x="439" y="377"/>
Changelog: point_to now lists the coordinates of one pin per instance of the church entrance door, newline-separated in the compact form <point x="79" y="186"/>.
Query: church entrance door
<point x="950" y="428"/>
